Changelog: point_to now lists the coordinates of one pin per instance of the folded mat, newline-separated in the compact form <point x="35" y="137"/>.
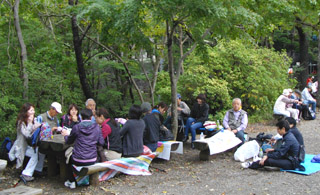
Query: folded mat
<point x="308" y="165"/>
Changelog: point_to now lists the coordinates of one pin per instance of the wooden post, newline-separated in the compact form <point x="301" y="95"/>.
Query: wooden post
<point x="63" y="168"/>
<point x="52" y="165"/>
<point x="94" y="179"/>
<point x="204" y="154"/>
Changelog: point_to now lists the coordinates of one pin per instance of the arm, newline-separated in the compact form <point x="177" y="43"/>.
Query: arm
<point x="185" y="108"/>
<point x="125" y="128"/>
<point x="73" y="135"/>
<point x="25" y="130"/>
<point x="225" y="122"/>
<point x="283" y="150"/>
<point x="100" y="138"/>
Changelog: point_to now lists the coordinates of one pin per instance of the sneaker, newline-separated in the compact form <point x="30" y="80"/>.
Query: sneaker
<point x="246" y="164"/>
<point x="256" y="158"/>
<point x="26" y="178"/>
<point x="69" y="184"/>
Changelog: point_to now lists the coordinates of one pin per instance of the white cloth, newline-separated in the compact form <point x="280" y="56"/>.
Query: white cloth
<point x="221" y="142"/>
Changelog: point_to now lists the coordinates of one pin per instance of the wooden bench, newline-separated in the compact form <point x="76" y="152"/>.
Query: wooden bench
<point x="93" y="172"/>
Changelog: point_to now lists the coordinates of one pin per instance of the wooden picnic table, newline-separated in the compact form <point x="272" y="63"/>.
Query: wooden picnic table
<point x="55" y="149"/>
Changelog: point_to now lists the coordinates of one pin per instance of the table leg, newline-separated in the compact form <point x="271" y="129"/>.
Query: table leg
<point x="52" y="165"/>
<point x="63" y="168"/>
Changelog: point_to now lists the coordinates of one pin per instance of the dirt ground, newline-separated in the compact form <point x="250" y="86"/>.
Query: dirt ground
<point x="186" y="174"/>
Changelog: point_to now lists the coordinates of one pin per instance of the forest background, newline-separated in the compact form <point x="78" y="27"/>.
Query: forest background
<point x="124" y="52"/>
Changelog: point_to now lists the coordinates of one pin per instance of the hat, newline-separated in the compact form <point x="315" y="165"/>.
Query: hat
<point x="285" y="92"/>
<point x="178" y="96"/>
<point x="145" y="106"/>
<point x="297" y="91"/>
<point x="290" y="90"/>
<point x="56" y="106"/>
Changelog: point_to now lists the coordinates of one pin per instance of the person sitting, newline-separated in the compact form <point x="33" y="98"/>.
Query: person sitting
<point x="294" y="112"/>
<point x="91" y="104"/>
<point x="199" y="114"/>
<point x="132" y="133"/>
<point x="86" y="136"/>
<point x="281" y="102"/>
<point x="308" y="99"/>
<point x="297" y="96"/>
<point x="26" y="125"/>
<point x="111" y="134"/>
<point x="236" y="119"/>
<point x="50" y="120"/>
<point x="286" y="157"/>
<point x="294" y="130"/>
<point x="182" y="109"/>
<point x="72" y="117"/>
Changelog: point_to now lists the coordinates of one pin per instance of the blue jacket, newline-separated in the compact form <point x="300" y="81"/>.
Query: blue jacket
<point x="86" y="136"/>
<point x="289" y="147"/>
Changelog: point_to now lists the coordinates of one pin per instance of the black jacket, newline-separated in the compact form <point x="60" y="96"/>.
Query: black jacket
<point x="297" y="135"/>
<point x="152" y="129"/>
<point x="289" y="147"/>
<point x="200" y="112"/>
<point x="113" y="140"/>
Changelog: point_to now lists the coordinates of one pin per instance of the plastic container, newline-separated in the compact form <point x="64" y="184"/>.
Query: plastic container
<point x="201" y="136"/>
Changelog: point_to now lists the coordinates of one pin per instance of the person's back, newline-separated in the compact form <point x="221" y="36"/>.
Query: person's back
<point x="151" y="131"/>
<point x="297" y="134"/>
<point x="115" y="142"/>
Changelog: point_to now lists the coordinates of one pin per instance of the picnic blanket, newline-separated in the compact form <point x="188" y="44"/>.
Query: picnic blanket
<point x="308" y="165"/>
<point x="130" y="166"/>
<point x="164" y="149"/>
<point x="220" y="142"/>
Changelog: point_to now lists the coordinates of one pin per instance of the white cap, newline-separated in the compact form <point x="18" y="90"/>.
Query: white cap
<point x="290" y="90"/>
<point x="56" y="106"/>
<point x="285" y="92"/>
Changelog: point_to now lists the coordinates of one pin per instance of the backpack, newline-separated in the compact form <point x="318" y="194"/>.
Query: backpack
<point x="307" y="114"/>
<point x="34" y="139"/>
<point x="5" y="148"/>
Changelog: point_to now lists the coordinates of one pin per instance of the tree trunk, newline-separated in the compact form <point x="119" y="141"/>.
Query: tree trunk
<point x="303" y="50"/>
<point x="23" y="56"/>
<point x="77" y="42"/>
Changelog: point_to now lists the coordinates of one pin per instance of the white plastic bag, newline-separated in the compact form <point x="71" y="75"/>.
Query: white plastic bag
<point x="247" y="150"/>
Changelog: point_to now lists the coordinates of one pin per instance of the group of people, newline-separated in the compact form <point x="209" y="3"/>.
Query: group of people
<point x="96" y="136"/>
<point x="291" y="104"/>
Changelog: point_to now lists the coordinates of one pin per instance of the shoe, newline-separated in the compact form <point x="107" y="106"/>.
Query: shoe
<point x="69" y="184"/>
<point x="185" y="138"/>
<point x="246" y="164"/>
<point x="256" y="158"/>
<point x="26" y="178"/>
<point x="192" y="145"/>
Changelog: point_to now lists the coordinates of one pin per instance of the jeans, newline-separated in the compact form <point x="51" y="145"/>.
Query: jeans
<point x="313" y="104"/>
<point x="240" y="135"/>
<point x="192" y="127"/>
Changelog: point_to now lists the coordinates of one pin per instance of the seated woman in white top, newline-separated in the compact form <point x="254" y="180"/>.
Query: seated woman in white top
<point x="282" y="101"/>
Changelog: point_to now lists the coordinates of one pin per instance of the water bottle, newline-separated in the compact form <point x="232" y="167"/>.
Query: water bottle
<point x="201" y="136"/>
<point x="260" y="153"/>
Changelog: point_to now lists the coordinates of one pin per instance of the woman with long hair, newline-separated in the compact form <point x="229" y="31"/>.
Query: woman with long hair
<point x="26" y="125"/>
<point x="72" y="117"/>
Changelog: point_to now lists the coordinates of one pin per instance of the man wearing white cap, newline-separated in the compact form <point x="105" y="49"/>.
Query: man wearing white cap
<point x="51" y="118"/>
<point x="308" y="99"/>
<point x="281" y="102"/>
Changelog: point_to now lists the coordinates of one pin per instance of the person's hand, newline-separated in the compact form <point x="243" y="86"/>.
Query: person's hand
<point x="53" y="129"/>
<point x="269" y="150"/>
<point x="235" y="131"/>
<point x="262" y="160"/>
<point x="179" y="109"/>
<point x="30" y="118"/>
<point x="192" y="123"/>
<point x="229" y="129"/>
<point x="74" y="118"/>
<point x="64" y="132"/>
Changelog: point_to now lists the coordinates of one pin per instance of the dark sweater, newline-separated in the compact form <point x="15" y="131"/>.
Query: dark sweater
<point x="152" y="129"/>
<point x="200" y="112"/>
<point x="132" y="134"/>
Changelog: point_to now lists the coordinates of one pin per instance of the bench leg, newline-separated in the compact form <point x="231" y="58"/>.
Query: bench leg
<point x="94" y="179"/>
<point x="204" y="154"/>
<point x="63" y="169"/>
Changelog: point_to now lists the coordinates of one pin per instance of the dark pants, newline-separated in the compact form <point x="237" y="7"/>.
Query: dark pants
<point x="281" y="163"/>
<point x="70" y="176"/>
